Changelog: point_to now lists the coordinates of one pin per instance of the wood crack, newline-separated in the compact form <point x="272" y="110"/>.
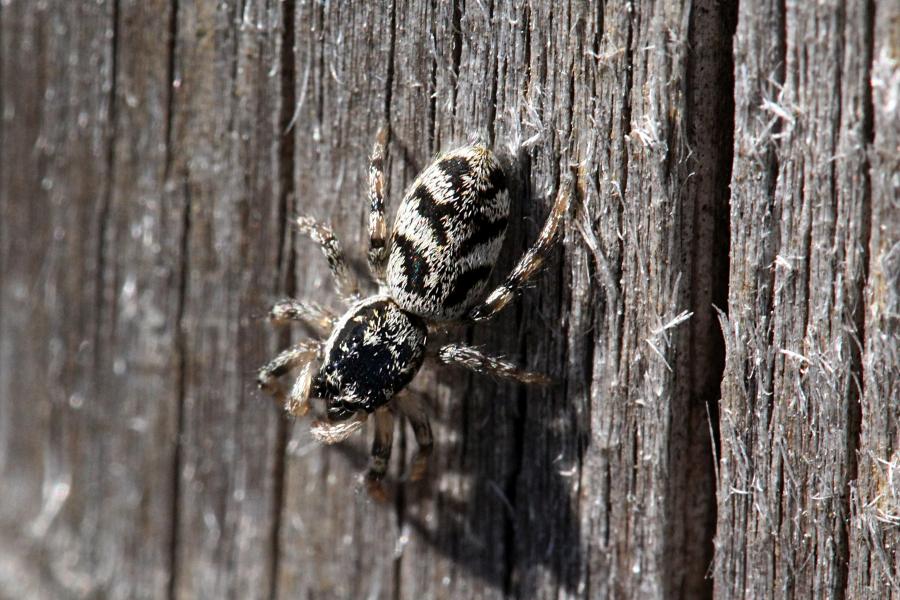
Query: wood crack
<point x="456" y="52"/>
<point x="103" y="217"/>
<point x="180" y="344"/>
<point x="182" y="352"/>
<point x="286" y="260"/>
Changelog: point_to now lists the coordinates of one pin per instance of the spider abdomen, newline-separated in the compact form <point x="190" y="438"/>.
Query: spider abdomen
<point x="448" y="234"/>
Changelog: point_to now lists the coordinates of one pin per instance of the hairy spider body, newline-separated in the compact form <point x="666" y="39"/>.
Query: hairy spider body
<point x="448" y="234"/>
<point x="444" y="243"/>
<point x="373" y="353"/>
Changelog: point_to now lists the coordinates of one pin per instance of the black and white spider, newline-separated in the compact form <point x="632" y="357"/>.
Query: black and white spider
<point x="446" y="238"/>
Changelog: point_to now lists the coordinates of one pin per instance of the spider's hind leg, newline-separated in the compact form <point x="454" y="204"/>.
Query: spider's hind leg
<point x="529" y="264"/>
<point x="474" y="360"/>
<point x="412" y="406"/>
<point x="381" y="452"/>
<point x="378" y="230"/>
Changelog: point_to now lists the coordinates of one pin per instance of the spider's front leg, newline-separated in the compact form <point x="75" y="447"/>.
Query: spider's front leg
<point x="529" y="264"/>
<point x="323" y="235"/>
<point x="470" y="358"/>
<point x="329" y="432"/>
<point x="299" y="355"/>
<point x="378" y="230"/>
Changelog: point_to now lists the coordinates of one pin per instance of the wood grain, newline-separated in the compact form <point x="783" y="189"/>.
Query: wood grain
<point x="802" y="215"/>
<point x="734" y="158"/>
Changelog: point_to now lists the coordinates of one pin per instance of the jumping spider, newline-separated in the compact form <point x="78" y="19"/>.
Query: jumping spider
<point x="446" y="238"/>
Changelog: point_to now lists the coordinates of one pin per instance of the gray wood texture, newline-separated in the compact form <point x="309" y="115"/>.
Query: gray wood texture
<point x="735" y="172"/>
<point x="812" y="355"/>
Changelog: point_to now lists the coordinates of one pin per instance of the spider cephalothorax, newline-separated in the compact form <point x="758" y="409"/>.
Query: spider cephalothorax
<point x="446" y="238"/>
<point x="373" y="352"/>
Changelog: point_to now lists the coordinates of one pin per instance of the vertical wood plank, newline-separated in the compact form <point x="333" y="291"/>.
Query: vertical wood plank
<point x="56" y="132"/>
<point x="539" y="83"/>
<point x="226" y="134"/>
<point x="746" y="387"/>
<point x="598" y="296"/>
<point x="874" y="570"/>
<point x="95" y="300"/>
<point x="135" y="406"/>
<point x="800" y="212"/>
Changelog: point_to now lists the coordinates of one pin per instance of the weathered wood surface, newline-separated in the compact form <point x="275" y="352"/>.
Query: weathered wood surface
<point x="875" y="497"/>
<point x="151" y="152"/>
<point x="812" y="357"/>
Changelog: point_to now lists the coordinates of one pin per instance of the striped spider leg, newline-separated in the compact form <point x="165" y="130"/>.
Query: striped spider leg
<point x="300" y="355"/>
<point x="378" y="231"/>
<point x="529" y="264"/>
<point x="461" y="355"/>
<point x="344" y="281"/>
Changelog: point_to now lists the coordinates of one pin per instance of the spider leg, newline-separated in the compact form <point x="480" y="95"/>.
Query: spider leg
<point x="311" y="314"/>
<point x="302" y="354"/>
<point x="472" y="359"/>
<point x="298" y="398"/>
<point x="378" y="231"/>
<point x="331" y="433"/>
<point x="293" y="357"/>
<point x="529" y="264"/>
<point x="381" y="451"/>
<point x="323" y="235"/>
<point x="411" y="406"/>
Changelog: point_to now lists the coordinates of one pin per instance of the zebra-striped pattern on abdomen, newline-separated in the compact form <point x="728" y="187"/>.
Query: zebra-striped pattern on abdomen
<point x="448" y="233"/>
